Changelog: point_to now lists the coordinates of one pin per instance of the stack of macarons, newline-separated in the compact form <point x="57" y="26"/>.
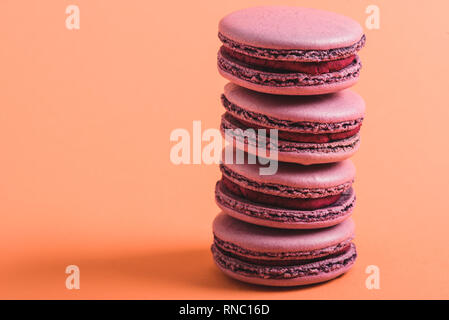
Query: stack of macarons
<point x="289" y="69"/>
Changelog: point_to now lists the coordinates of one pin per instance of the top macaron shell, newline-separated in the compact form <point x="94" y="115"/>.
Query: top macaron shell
<point x="337" y="107"/>
<point x="263" y="239"/>
<point x="282" y="27"/>
<point x="317" y="176"/>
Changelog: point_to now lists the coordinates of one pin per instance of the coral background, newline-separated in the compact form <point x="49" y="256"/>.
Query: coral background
<point x="85" y="173"/>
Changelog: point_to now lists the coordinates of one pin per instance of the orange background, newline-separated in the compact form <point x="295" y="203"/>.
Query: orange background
<point x="85" y="174"/>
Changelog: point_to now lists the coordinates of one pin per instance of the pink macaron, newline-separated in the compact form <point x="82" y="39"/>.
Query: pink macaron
<point x="295" y="197"/>
<point x="276" y="257"/>
<point x="290" y="50"/>
<point x="311" y="129"/>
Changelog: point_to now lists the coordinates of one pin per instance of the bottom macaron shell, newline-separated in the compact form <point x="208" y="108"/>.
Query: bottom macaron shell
<point x="296" y="152"/>
<point x="268" y="216"/>
<point x="285" y="276"/>
<point x="300" y="90"/>
<point x="311" y="156"/>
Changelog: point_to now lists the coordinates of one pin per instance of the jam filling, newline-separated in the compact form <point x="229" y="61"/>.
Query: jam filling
<point x="303" y="137"/>
<point x="277" y="201"/>
<point x="312" y="68"/>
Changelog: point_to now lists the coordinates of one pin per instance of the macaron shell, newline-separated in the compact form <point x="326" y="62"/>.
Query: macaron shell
<point x="295" y="175"/>
<point x="272" y="217"/>
<point x="324" y="88"/>
<point x="309" y="158"/>
<point x="281" y="27"/>
<point x="305" y="153"/>
<point x="332" y="108"/>
<point x="288" y="282"/>
<point x="263" y="239"/>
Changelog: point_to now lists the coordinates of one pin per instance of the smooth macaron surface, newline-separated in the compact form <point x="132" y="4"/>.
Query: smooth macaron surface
<point x="290" y="28"/>
<point x="315" y="114"/>
<point x="263" y="239"/>
<point x="320" y="176"/>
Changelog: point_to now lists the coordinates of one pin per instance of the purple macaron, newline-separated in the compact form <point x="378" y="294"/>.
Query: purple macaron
<point x="295" y="197"/>
<point x="290" y="50"/>
<point x="276" y="257"/>
<point x="311" y="129"/>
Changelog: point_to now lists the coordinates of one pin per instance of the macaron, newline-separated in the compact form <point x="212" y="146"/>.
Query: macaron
<point x="276" y="257"/>
<point x="295" y="197"/>
<point x="311" y="129"/>
<point x="290" y="50"/>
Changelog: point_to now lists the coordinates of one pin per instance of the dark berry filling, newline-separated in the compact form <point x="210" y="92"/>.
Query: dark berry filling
<point x="277" y="66"/>
<point x="277" y="201"/>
